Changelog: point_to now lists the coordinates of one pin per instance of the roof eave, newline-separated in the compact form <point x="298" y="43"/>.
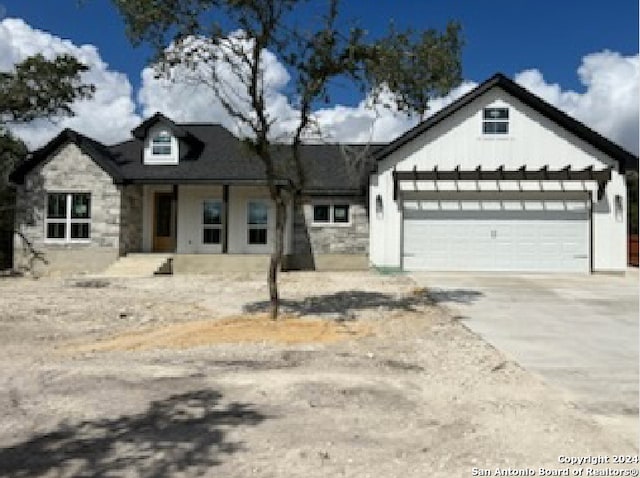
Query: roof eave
<point x="212" y="181"/>
<point x="140" y="131"/>
<point x="64" y="137"/>
<point x="625" y="159"/>
<point x="332" y="192"/>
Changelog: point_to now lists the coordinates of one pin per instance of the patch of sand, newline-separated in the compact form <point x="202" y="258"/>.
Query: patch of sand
<point x="235" y="329"/>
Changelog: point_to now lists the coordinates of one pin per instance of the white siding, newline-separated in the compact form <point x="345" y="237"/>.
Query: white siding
<point x="190" y="204"/>
<point x="189" y="233"/>
<point x="239" y="199"/>
<point x="533" y="141"/>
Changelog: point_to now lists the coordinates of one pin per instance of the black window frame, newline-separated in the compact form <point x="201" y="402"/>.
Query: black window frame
<point x="330" y="219"/>
<point x="257" y="232"/>
<point x="212" y="230"/>
<point x="63" y="226"/>
<point x="347" y="218"/>
<point x="495" y="120"/>
<point x="323" y="219"/>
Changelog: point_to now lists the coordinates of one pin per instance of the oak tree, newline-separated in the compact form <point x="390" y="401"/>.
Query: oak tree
<point x="224" y="44"/>
<point x="34" y="88"/>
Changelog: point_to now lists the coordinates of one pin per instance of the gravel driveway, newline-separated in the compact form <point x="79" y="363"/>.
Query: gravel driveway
<point x="417" y="395"/>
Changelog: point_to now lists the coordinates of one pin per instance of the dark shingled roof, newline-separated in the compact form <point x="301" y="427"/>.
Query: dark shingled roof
<point x="327" y="170"/>
<point x="222" y="158"/>
<point x="219" y="157"/>
<point x="210" y="153"/>
<point x="99" y="152"/>
<point x="225" y="158"/>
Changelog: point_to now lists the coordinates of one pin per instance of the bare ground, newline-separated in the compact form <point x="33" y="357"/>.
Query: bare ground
<point x="183" y="376"/>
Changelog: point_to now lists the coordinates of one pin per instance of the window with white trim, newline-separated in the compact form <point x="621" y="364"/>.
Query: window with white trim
<point x="495" y="121"/>
<point x="257" y="222"/>
<point x="324" y="214"/>
<point x="211" y="221"/>
<point x="161" y="144"/>
<point x="68" y="217"/>
<point x="161" y="148"/>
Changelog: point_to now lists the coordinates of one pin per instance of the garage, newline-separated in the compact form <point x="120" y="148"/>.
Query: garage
<point x="500" y="181"/>
<point x="519" y="235"/>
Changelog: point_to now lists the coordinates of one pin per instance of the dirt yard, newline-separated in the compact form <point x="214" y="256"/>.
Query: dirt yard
<point x="184" y="376"/>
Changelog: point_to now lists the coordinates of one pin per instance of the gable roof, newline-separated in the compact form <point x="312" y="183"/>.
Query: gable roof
<point x="626" y="159"/>
<point x="142" y="129"/>
<point x="88" y="146"/>
<point x="221" y="158"/>
<point x="216" y="155"/>
<point x="224" y="158"/>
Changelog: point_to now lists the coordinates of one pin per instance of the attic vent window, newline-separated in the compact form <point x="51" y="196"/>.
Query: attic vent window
<point x="495" y="121"/>
<point x="161" y="144"/>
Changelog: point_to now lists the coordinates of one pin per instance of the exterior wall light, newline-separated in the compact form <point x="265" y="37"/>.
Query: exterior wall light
<point x="379" y="209"/>
<point x="618" y="207"/>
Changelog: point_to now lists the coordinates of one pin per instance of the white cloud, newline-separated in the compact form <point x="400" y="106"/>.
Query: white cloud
<point x="108" y="117"/>
<point x="610" y="103"/>
<point x="186" y="98"/>
<point x="367" y="122"/>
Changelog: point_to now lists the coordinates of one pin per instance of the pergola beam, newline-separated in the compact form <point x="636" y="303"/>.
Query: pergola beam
<point x="500" y="174"/>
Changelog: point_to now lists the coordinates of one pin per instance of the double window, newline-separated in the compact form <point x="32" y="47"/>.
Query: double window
<point x="161" y="144"/>
<point x="495" y="121"/>
<point x="331" y="214"/>
<point x="68" y="217"/>
<point x="257" y="222"/>
<point x="211" y="222"/>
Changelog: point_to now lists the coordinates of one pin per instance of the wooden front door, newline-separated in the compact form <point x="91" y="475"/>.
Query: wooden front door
<point x="164" y="234"/>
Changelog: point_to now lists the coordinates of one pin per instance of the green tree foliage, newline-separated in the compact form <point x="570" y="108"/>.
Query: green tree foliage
<point x="416" y="66"/>
<point x="41" y="88"/>
<point x="12" y="151"/>
<point x="35" y="88"/>
<point x="199" y="35"/>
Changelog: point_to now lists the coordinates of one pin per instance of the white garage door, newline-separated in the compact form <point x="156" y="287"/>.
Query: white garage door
<point x="496" y="235"/>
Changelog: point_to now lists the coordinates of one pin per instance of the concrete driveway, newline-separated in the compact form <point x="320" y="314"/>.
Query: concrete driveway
<point x="580" y="333"/>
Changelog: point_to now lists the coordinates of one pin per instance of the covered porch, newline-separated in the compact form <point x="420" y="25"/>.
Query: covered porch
<point x="218" y="219"/>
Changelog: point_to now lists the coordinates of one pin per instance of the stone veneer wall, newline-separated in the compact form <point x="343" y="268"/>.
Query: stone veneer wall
<point x="312" y="242"/>
<point x="70" y="170"/>
<point x="131" y="219"/>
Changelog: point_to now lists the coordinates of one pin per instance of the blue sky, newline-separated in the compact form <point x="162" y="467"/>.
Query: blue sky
<point x="501" y="35"/>
<point x="549" y="37"/>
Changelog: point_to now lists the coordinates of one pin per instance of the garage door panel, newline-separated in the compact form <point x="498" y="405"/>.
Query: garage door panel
<point x="531" y="238"/>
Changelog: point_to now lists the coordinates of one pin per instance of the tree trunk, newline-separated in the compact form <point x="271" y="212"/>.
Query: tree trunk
<point x="276" y="255"/>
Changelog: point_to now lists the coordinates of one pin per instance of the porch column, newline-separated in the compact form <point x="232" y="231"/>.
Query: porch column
<point x="225" y="215"/>
<point x="175" y="217"/>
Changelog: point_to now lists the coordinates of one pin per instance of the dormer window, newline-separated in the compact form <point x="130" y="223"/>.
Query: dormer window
<point x="161" y="144"/>
<point x="161" y="147"/>
<point x="495" y="121"/>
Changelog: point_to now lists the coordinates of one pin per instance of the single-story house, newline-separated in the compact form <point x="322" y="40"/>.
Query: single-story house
<point x="497" y="181"/>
